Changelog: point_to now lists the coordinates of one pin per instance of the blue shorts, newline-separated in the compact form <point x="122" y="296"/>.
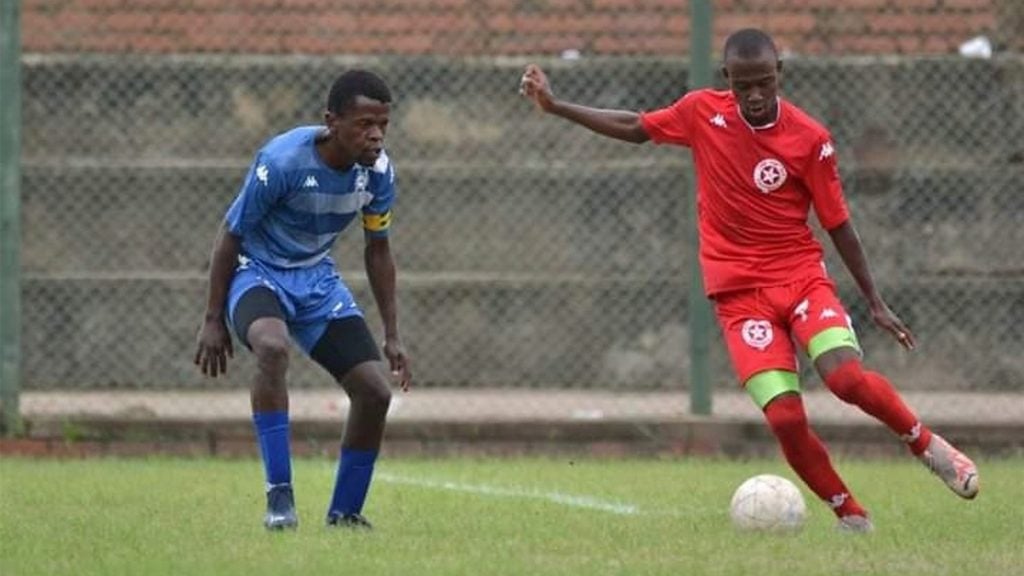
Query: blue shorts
<point x="310" y="297"/>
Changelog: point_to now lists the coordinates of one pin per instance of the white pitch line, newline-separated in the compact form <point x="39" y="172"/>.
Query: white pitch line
<point x="575" y="501"/>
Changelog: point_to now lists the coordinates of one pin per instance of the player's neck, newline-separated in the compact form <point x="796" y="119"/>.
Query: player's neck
<point x="769" y="120"/>
<point x="332" y="157"/>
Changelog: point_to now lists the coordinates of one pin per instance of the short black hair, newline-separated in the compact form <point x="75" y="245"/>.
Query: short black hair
<point x="355" y="83"/>
<point x="748" y="43"/>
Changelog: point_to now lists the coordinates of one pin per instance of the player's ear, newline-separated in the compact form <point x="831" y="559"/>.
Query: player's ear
<point x="331" y="120"/>
<point x="778" y="66"/>
<point x="725" y="72"/>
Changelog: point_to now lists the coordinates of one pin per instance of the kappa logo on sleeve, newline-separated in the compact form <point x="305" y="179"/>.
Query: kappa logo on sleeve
<point x="263" y="174"/>
<point x="827" y="150"/>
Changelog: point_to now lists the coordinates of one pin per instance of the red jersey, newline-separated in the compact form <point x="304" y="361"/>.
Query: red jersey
<point x="755" y="187"/>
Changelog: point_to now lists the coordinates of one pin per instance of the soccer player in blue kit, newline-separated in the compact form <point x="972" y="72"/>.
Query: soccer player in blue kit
<point x="272" y="280"/>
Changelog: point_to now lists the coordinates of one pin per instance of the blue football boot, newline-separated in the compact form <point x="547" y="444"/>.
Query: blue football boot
<point x="281" y="508"/>
<point x="353" y="521"/>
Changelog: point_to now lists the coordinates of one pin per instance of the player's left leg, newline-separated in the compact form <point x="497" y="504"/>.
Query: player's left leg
<point x="330" y="328"/>
<point x="823" y="327"/>
<point x="845" y="376"/>
<point x="347" y="350"/>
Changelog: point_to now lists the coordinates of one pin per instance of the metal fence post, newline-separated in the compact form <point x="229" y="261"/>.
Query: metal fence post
<point x="699" y="309"/>
<point x="10" y="215"/>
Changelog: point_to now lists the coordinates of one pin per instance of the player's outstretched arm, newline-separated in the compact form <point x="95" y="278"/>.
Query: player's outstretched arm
<point x="620" y="124"/>
<point x="847" y="243"/>
<point x="214" y="341"/>
<point x="381" y="271"/>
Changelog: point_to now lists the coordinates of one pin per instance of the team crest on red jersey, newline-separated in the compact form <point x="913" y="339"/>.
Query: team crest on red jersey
<point x="769" y="175"/>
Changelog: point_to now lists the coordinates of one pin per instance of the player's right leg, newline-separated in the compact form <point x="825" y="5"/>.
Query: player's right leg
<point x="765" y="362"/>
<point x="258" y="319"/>
<point x="777" y="393"/>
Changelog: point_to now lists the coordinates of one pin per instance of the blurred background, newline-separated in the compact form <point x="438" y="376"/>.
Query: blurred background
<point x="544" y="271"/>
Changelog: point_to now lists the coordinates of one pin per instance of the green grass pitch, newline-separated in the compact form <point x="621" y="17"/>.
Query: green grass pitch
<point x="481" y="517"/>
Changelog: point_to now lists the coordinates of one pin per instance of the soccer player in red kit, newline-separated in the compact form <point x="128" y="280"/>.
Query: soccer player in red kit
<point x="761" y="164"/>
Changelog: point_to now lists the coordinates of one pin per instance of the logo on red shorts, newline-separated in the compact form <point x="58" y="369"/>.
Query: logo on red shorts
<point x="757" y="333"/>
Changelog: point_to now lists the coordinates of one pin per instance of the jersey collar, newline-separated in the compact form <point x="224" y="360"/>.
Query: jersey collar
<point x="778" y="114"/>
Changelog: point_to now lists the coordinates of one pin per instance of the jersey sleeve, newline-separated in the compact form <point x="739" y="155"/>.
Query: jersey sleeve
<point x="377" y="214"/>
<point x="264" y="185"/>
<point x="673" y="124"/>
<point x="822" y="179"/>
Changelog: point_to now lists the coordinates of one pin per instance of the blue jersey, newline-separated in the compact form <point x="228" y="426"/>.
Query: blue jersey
<point x="292" y="205"/>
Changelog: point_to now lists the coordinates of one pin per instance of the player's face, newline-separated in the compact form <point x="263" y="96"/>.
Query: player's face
<point x="755" y="83"/>
<point x="359" y="131"/>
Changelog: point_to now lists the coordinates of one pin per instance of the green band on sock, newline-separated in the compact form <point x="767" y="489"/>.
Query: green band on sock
<point x="763" y="387"/>
<point x="830" y="339"/>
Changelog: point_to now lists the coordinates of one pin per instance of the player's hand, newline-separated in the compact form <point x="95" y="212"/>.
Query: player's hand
<point x="213" y="348"/>
<point x="534" y="85"/>
<point x="887" y="319"/>
<point x="399" y="362"/>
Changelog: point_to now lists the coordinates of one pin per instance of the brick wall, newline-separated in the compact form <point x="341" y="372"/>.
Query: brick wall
<point x="469" y="27"/>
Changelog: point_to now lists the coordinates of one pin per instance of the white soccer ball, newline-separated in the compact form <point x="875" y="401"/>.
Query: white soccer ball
<point x="769" y="503"/>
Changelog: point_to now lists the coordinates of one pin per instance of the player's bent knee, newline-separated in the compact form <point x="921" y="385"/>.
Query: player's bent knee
<point x="785" y="415"/>
<point x="378" y="396"/>
<point x="367" y="384"/>
<point x="271" y="351"/>
<point x="847" y="380"/>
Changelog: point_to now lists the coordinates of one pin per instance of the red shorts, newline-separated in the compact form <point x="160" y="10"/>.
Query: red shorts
<point x="761" y="324"/>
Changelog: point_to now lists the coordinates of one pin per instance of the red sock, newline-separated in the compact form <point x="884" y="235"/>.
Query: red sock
<point x="874" y="394"/>
<point x="807" y="455"/>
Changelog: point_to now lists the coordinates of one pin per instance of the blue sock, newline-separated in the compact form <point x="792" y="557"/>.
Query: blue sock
<point x="353" y="481"/>
<point x="272" y="431"/>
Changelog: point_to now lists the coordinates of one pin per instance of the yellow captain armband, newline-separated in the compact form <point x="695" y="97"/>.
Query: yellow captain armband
<point x="377" y="222"/>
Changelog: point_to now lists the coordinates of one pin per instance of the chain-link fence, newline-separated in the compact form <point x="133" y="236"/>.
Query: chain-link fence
<point x="531" y="254"/>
